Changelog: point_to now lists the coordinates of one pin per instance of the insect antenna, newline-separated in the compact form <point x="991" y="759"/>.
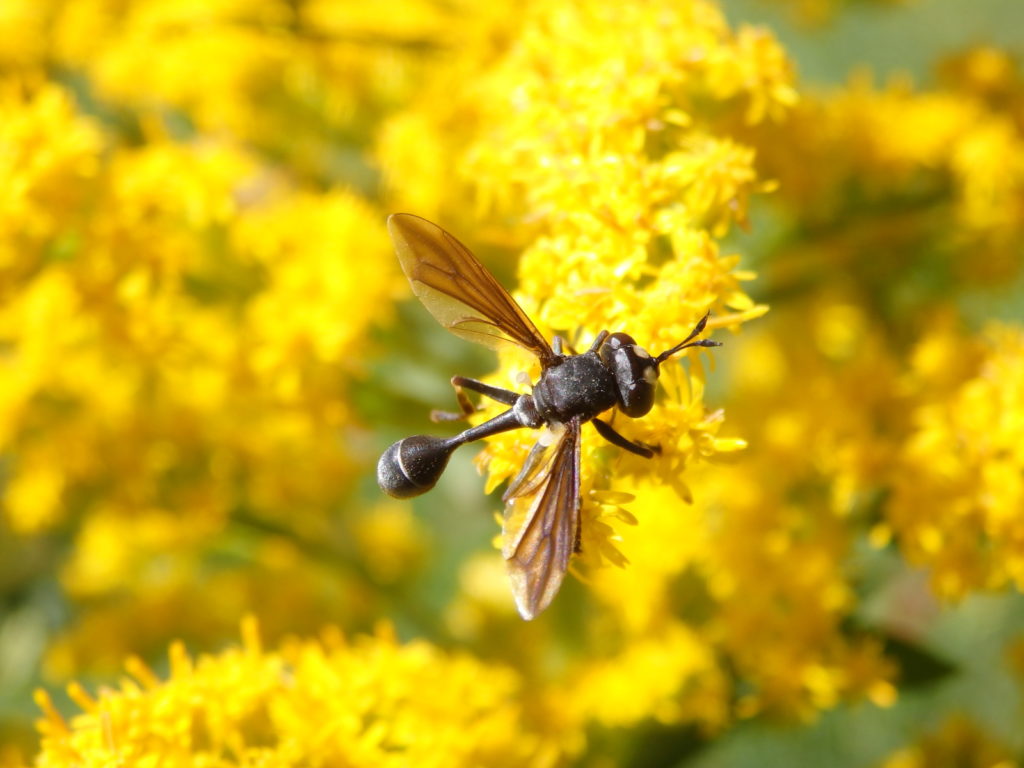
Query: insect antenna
<point x="688" y="341"/>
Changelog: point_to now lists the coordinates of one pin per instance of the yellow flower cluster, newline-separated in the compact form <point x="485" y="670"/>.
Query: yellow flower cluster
<point x="959" y="484"/>
<point x="181" y="323"/>
<point x="935" y="416"/>
<point x="781" y="522"/>
<point x="288" y="78"/>
<point x="958" y="150"/>
<point x="960" y="742"/>
<point x="365" y="702"/>
<point x="870" y="415"/>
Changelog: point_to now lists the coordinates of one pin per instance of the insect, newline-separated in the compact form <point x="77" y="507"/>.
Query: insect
<point x="541" y="527"/>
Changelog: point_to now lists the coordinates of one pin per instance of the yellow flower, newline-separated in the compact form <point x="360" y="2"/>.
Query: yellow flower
<point x="774" y="571"/>
<point x="376" y="703"/>
<point x="179" y="331"/>
<point x="959" y="742"/>
<point x="310" y="249"/>
<point x="287" y="78"/>
<point x="395" y="540"/>
<point x="959" y="484"/>
<point x="768" y="544"/>
<point x="49" y="158"/>
<point x="24" y="42"/>
<point x="838" y="160"/>
<point x="670" y="676"/>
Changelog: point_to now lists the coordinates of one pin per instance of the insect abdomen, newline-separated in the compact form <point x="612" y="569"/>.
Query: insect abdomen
<point x="413" y="465"/>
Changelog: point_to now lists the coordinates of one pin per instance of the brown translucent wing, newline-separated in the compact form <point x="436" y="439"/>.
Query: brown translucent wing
<point x="458" y="290"/>
<point x="542" y="510"/>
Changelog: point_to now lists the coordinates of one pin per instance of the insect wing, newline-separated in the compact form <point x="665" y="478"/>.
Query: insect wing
<point x="541" y="521"/>
<point x="458" y="290"/>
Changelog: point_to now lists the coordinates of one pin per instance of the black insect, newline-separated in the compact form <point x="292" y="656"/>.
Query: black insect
<point x="541" y="522"/>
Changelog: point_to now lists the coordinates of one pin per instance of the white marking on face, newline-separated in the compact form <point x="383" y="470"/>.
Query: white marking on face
<point x="641" y="352"/>
<point x="650" y="374"/>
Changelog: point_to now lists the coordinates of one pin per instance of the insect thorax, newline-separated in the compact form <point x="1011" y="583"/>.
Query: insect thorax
<point x="579" y="385"/>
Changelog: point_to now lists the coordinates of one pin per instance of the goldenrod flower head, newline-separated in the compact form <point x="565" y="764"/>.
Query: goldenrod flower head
<point x="959" y="741"/>
<point x="49" y="158"/>
<point x="395" y="540"/>
<point x="956" y="149"/>
<point x="959" y="484"/>
<point x="669" y="675"/>
<point x="366" y="702"/>
<point x="284" y="77"/>
<point x="309" y="246"/>
<point x="774" y="571"/>
<point x="985" y="71"/>
<point x="767" y="548"/>
<point x="180" y="328"/>
<point x="668" y="549"/>
<point x="27" y="48"/>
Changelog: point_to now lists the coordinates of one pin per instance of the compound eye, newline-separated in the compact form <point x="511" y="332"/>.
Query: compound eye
<point x="617" y="340"/>
<point x="636" y="374"/>
<point x="613" y="344"/>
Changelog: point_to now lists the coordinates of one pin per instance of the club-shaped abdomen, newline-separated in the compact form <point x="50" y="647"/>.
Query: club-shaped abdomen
<point x="413" y="465"/>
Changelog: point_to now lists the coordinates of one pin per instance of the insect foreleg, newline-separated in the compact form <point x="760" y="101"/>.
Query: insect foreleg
<point x="461" y="383"/>
<point x="640" y="449"/>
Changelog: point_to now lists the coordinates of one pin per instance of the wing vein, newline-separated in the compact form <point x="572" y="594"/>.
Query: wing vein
<point x="458" y="290"/>
<point x="541" y="519"/>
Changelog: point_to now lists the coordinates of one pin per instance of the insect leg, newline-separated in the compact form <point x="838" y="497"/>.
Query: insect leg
<point x="598" y="341"/>
<point x="461" y="383"/>
<point x="571" y="345"/>
<point x="560" y="345"/>
<point x="640" y="449"/>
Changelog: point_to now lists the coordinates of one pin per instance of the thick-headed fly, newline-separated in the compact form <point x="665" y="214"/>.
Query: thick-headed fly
<point x="542" y="503"/>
